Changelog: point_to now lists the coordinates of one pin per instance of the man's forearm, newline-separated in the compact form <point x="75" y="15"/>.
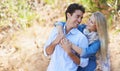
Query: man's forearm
<point x="74" y="58"/>
<point x="77" y="49"/>
<point x="50" y="49"/>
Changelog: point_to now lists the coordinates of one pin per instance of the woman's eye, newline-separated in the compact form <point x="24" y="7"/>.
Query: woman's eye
<point x="89" y="19"/>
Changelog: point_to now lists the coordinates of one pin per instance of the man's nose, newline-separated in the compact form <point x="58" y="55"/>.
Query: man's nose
<point x="79" y="20"/>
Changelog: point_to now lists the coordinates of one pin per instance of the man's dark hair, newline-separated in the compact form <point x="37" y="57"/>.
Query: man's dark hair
<point x="72" y="7"/>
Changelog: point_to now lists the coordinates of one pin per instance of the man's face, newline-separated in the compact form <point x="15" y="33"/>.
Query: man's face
<point x="75" y="18"/>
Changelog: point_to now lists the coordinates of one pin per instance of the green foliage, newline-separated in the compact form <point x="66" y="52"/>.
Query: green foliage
<point x="21" y="11"/>
<point x="92" y="5"/>
<point x="18" y="10"/>
<point x="113" y="6"/>
<point x="49" y="1"/>
<point x="110" y="21"/>
<point x="117" y="31"/>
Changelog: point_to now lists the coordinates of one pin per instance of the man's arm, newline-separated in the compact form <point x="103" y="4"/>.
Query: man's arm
<point x="66" y="45"/>
<point x="77" y="49"/>
<point x="75" y="58"/>
<point x="52" y="42"/>
<point x="51" y="47"/>
<point x="83" y="43"/>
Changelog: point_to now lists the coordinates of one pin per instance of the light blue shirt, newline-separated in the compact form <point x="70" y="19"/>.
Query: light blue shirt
<point x="60" y="61"/>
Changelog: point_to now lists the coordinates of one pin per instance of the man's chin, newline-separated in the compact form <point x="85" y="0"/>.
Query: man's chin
<point x="77" y="25"/>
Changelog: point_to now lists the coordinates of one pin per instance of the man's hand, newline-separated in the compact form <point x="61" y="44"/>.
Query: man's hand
<point x="66" y="45"/>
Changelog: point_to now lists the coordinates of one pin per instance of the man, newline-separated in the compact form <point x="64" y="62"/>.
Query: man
<point x="62" y="58"/>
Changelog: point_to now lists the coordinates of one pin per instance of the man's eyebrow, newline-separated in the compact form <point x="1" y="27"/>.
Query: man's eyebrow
<point x="78" y="15"/>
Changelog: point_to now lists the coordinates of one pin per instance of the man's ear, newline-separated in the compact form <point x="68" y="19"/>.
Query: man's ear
<point x="68" y="15"/>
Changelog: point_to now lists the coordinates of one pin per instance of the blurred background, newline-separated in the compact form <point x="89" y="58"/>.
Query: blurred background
<point x="26" y="24"/>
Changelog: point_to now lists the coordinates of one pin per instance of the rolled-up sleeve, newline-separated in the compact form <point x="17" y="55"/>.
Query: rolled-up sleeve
<point x="84" y="62"/>
<point x="83" y="43"/>
<point x="91" y="50"/>
<point x="50" y="40"/>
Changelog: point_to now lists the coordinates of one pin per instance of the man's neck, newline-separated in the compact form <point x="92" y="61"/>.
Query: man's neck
<point x="68" y="27"/>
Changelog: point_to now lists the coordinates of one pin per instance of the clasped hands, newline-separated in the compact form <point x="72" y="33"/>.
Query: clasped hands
<point x="63" y="42"/>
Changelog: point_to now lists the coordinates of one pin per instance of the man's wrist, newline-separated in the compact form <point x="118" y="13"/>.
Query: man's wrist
<point x="70" y="54"/>
<point x="54" y="43"/>
<point x="74" y="58"/>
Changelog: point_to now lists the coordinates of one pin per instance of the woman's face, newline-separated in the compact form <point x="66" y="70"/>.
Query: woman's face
<point x="91" y="25"/>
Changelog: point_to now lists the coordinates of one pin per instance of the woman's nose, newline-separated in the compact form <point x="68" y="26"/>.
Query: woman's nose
<point x="88" y="22"/>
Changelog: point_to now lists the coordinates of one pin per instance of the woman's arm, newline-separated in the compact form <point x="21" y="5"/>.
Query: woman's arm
<point x="91" y="50"/>
<point x="60" y="29"/>
<point x="87" y="52"/>
<point x="59" y="26"/>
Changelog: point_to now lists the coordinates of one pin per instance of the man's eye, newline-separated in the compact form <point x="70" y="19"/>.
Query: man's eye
<point x="81" y="17"/>
<point x="77" y="16"/>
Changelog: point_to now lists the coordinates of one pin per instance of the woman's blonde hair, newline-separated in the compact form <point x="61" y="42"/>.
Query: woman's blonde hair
<point x="101" y="25"/>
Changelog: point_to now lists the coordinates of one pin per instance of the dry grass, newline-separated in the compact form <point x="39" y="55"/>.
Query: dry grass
<point x="24" y="50"/>
<point x="114" y="50"/>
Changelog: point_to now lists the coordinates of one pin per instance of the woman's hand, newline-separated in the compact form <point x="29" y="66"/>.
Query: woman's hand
<point x="58" y="38"/>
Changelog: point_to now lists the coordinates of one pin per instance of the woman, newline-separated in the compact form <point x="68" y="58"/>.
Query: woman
<point x="96" y="32"/>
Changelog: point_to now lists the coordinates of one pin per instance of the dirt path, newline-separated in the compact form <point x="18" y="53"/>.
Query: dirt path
<point x="24" y="50"/>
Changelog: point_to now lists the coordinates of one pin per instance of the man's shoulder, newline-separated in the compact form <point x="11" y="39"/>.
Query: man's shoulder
<point x="82" y="40"/>
<point x="53" y="31"/>
<point x="80" y="34"/>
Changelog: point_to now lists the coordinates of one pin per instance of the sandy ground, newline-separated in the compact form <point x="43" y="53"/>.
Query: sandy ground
<point x="114" y="51"/>
<point x="24" y="50"/>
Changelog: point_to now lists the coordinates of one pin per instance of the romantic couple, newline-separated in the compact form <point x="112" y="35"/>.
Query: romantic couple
<point x="73" y="46"/>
